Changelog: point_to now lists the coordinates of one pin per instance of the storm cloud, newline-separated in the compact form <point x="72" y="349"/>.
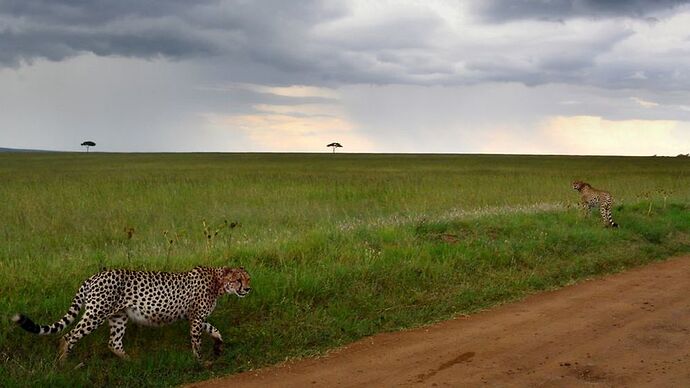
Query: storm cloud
<point x="331" y="43"/>
<point x="176" y="29"/>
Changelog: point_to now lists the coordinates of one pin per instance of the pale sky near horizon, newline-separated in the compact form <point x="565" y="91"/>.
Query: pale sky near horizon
<point x="486" y="76"/>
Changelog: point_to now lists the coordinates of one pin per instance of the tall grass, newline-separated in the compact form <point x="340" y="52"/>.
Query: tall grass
<point x="339" y="246"/>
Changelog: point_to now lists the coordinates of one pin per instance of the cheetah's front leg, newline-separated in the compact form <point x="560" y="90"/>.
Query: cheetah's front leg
<point x="195" y="328"/>
<point x="586" y="208"/>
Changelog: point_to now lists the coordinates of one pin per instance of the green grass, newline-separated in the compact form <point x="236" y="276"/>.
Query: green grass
<point x="339" y="246"/>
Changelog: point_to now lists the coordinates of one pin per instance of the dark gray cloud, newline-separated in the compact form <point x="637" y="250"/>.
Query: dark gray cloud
<point x="56" y="30"/>
<point x="94" y="12"/>
<point x="558" y="10"/>
<point x="314" y="42"/>
<point x="176" y="29"/>
<point x="56" y="44"/>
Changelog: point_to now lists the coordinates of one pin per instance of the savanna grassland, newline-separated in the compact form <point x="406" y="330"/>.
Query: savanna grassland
<point x="339" y="246"/>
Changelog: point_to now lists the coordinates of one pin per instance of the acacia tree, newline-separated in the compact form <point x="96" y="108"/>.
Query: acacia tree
<point x="88" y="144"/>
<point x="334" y="146"/>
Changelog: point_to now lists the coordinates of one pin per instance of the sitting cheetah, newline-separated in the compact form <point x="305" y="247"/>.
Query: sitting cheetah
<point x="592" y="198"/>
<point x="147" y="298"/>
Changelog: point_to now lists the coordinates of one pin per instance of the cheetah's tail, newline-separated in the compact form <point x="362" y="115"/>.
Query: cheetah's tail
<point x="609" y="218"/>
<point x="27" y="324"/>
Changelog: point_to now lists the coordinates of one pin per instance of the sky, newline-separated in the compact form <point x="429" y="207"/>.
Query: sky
<point x="486" y="76"/>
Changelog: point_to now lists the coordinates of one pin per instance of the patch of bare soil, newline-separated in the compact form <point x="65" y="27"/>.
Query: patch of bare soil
<point x="629" y="329"/>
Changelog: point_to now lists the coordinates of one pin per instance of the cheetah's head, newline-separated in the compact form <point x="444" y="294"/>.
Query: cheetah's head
<point x="236" y="281"/>
<point x="578" y="185"/>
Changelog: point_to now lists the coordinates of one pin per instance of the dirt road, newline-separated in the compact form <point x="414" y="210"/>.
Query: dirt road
<point x="630" y="329"/>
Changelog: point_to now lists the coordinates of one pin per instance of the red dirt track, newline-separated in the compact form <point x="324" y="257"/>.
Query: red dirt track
<point x="629" y="329"/>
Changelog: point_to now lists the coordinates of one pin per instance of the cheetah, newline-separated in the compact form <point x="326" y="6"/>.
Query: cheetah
<point x="147" y="298"/>
<point x="591" y="198"/>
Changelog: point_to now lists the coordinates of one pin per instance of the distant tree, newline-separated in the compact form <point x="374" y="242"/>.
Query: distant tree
<point x="334" y="146"/>
<point x="88" y="144"/>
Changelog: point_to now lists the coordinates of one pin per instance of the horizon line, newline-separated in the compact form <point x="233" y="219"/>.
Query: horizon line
<point x="24" y="150"/>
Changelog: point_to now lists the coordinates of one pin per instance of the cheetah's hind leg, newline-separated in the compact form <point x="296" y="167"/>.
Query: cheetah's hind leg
<point x="118" y="324"/>
<point x="88" y="323"/>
